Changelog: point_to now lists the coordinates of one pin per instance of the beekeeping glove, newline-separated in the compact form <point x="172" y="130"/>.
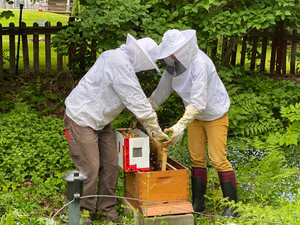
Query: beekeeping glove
<point x="135" y="122"/>
<point x="152" y="128"/>
<point x="189" y="115"/>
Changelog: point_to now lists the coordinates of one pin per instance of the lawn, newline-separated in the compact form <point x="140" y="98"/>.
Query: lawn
<point x="29" y="17"/>
<point x="42" y="58"/>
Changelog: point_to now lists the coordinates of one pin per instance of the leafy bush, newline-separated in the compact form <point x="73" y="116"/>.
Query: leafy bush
<point x="33" y="157"/>
<point x="108" y="22"/>
<point x="31" y="146"/>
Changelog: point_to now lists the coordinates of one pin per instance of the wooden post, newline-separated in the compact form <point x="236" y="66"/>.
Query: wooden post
<point x="36" y="51"/>
<point x="293" y="53"/>
<point x="25" y="52"/>
<point x="12" y="51"/>
<point x="59" y="55"/>
<point x="273" y="53"/>
<point x="93" y="50"/>
<point x="280" y="35"/>
<point x="283" y="61"/>
<point x="253" y="54"/>
<point x="264" y="51"/>
<point x="233" y="56"/>
<point x="1" y="53"/>
<point x="82" y="55"/>
<point x="244" y="48"/>
<point x="48" y="49"/>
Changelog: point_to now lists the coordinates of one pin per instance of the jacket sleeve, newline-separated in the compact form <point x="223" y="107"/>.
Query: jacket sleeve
<point x="131" y="94"/>
<point x="163" y="90"/>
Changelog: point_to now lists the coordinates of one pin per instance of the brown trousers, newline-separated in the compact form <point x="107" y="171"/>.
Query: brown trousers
<point x="211" y="133"/>
<point x="94" y="153"/>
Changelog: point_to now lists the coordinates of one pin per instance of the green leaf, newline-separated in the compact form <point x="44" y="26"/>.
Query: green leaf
<point x="206" y="6"/>
<point x="245" y="18"/>
<point x="195" y="9"/>
<point x="287" y="13"/>
<point x="258" y="26"/>
<point x="175" y="13"/>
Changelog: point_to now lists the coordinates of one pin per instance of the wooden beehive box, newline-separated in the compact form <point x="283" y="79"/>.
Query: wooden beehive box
<point x="168" y="194"/>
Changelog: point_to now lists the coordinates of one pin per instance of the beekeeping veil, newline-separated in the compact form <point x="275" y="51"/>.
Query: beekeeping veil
<point x="144" y="53"/>
<point x="183" y="45"/>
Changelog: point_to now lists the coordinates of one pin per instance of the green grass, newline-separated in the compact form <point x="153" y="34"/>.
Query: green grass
<point x="42" y="58"/>
<point x="29" y="17"/>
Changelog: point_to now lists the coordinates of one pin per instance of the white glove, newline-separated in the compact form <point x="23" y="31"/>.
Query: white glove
<point x="189" y="115"/>
<point x="152" y="128"/>
<point x="134" y="123"/>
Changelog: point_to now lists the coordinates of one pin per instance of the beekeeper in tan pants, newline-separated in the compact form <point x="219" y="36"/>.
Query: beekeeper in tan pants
<point x="192" y="74"/>
<point x="103" y="93"/>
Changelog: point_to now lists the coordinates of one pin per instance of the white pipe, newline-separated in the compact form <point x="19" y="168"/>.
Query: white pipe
<point x="68" y="6"/>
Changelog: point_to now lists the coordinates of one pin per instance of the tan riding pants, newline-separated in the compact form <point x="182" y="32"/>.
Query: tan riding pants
<point x="94" y="153"/>
<point x="214" y="135"/>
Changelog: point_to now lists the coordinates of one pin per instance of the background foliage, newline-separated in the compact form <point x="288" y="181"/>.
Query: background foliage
<point x="108" y="22"/>
<point x="264" y="116"/>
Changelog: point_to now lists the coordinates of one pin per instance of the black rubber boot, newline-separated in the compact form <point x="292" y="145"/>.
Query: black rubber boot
<point x="228" y="185"/>
<point x="199" y="180"/>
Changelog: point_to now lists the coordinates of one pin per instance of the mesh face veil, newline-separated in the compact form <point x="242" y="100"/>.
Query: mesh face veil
<point x="175" y="68"/>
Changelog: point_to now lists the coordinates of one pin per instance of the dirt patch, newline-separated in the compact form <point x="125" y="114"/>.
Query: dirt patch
<point x="61" y="84"/>
<point x="295" y="78"/>
<point x="52" y="88"/>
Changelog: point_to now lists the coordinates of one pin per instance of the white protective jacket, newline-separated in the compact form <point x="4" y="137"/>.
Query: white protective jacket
<point x="110" y="86"/>
<point x="199" y="86"/>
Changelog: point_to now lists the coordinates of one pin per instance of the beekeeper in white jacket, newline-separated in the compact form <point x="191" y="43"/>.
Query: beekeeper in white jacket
<point x="104" y="91"/>
<point x="192" y="74"/>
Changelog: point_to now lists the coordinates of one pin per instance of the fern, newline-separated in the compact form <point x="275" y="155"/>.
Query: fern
<point x="237" y="98"/>
<point x="292" y="112"/>
<point x="258" y="127"/>
<point x="123" y="120"/>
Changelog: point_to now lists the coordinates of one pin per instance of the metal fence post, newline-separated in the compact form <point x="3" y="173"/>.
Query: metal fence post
<point x="75" y="191"/>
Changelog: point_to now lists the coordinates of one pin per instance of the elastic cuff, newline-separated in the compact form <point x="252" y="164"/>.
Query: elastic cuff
<point x="153" y="104"/>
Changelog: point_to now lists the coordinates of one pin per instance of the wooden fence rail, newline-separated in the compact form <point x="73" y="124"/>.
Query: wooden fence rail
<point x="36" y="31"/>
